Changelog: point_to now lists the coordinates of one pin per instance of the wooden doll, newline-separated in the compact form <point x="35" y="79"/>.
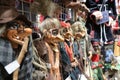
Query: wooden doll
<point x="51" y="35"/>
<point x="85" y="50"/>
<point x="67" y="54"/>
<point x="17" y="32"/>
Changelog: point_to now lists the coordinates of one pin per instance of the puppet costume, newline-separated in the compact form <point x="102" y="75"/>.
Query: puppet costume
<point x="67" y="56"/>
<point x="102" y="32"/>
<point x="50" y="29"/>
<point x="82" y="48"/>
<point x="7" y="53"/>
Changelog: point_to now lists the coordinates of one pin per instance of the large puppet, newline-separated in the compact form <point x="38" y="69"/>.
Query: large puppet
<point x="12" y="29"/>
<point x="51" y="36"/>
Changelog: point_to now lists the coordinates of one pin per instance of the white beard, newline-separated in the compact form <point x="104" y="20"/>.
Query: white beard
<point x="2" y="29"/>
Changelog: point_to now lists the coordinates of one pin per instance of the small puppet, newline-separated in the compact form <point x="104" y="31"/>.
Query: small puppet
<point x="97" y="63"/>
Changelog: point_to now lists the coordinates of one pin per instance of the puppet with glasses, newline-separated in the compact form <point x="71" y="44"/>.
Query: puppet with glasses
<point x="51" y="35"/>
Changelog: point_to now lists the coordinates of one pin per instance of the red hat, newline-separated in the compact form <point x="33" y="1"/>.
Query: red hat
<point x="64" y="24"/>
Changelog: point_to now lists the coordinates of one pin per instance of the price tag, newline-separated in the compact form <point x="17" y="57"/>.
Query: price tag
<point x="68" y="78"/>
<point x="11" y="67"/>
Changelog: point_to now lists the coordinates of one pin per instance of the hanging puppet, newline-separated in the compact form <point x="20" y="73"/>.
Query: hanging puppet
<point x="69" y="63"/>
<point x="84" y="49"/>
<point x="99" y="19"/>
<point x="50" y="29"/>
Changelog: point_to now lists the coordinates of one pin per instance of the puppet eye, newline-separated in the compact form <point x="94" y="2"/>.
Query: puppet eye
<point x="13" y="25"/>
<point x="65" y="30"/>
<point x="16" y="25"/>
<point x="54" y="31"/>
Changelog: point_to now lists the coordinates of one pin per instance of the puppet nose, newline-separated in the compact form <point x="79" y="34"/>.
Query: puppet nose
<point x="59" y="38"/>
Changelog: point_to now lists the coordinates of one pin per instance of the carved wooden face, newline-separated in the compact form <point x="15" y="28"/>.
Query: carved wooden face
<point x="50" y="28"/>
<point x="79" y="35"/>
<point x="17" y="32"/>
<point x="66" y="32"/>
<point x="79" y="30"/>
<point x="53" y="35"/>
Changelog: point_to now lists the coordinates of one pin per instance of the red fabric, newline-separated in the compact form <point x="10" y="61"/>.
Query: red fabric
<point x="95" y="58"/>
<point x="65" y="25"/>
<point x="69" y="51"/>
<point x="116" y="26"/>
<point x="41" y="18"/>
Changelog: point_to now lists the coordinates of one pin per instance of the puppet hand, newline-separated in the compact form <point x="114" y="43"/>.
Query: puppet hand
<point x="75" y="63"/>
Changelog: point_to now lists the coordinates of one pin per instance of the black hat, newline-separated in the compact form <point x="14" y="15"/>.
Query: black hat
<point x="8" y="12"/>
<point x="24" y="19"/>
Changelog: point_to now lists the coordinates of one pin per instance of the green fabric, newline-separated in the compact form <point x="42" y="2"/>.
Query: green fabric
<point x="97" y="74"/>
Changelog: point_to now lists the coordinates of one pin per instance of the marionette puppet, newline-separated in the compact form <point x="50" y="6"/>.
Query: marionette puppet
<point x="69" y="62"/>
<point x="102" y="12"/>
<point x="15" y="32"/>
<point x="97" y="63"/>
<point x="82" y="47"/>
<point x="51" y="36"/>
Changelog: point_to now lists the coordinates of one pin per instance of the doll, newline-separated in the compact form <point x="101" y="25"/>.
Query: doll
<point x="82" y="47"/>
<point x="15" y="29"/>
<point x="102" y="31"/>
<point x="67" y="54"/>
<point x="51" y="35"/>
<point x="97" y="63"/>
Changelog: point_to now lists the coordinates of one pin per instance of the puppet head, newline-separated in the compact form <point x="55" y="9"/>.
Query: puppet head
<point x="17" y="30"/>
<point x="79" y="30"/>
<point x="66" y="30"/>
<point x="50" y="29"/>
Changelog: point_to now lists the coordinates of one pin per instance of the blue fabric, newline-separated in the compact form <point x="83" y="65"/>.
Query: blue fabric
<point x="67" y="69"/>
<point x="108" y="55"/>
<point x="76" y="49"/>
<point x="65" y="61"/>
<point x="7" y="55"/>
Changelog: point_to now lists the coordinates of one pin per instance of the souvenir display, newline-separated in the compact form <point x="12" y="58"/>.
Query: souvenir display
<point x="59" y="39"/>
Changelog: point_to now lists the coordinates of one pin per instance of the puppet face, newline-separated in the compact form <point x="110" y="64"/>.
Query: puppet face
<point x="66" y="32"/>
<point x="79" y="30"/>
<point x="17" y="32"/>
<point x="53" y="35"/>
<point x="79" y="35"/>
